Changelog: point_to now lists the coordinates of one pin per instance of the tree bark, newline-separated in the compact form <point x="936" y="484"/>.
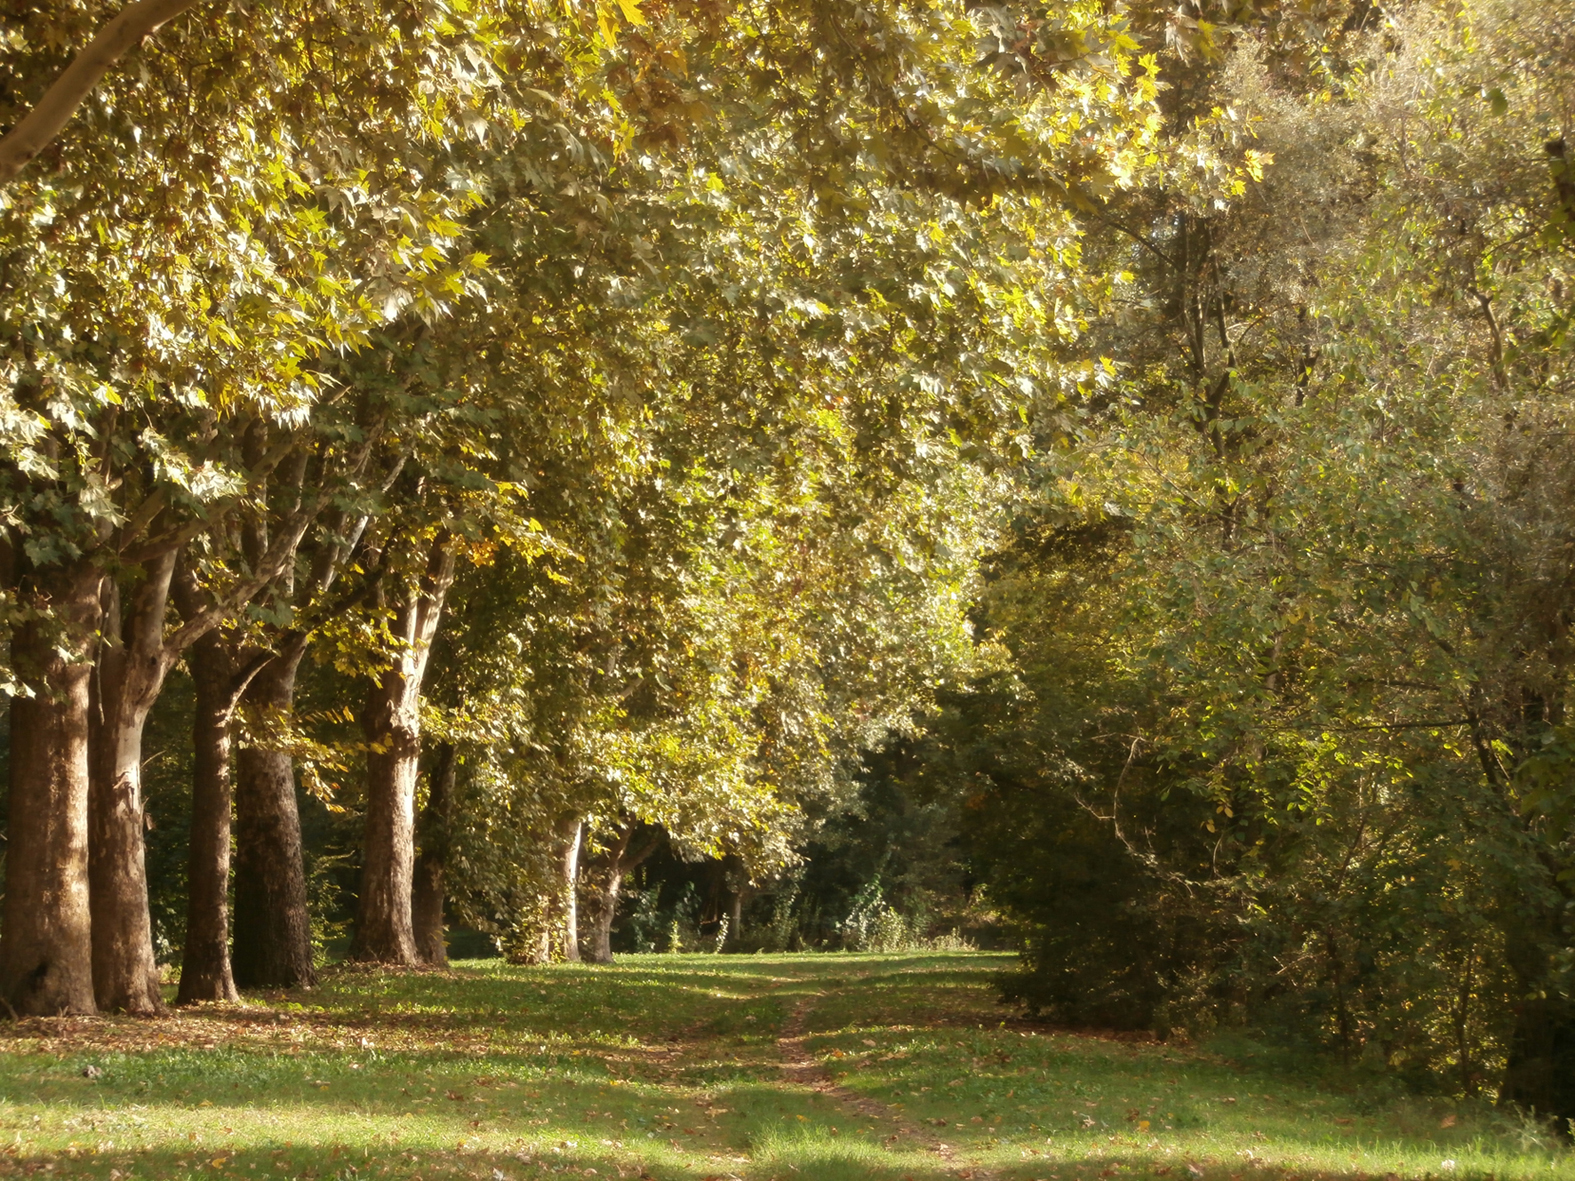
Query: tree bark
<point x="570" y="831"/>
<point x="736" y="879"/>
<point x="273" y="928"/>
<point x="604" y="876"/>
<point x="205" y="973"/>
<point x="385" y="930"/>
<point x="46" y="948"/>
<point x="45" y="121"/>
<point x="272" y="922"/>
<point x="132" y="665"/>
<point x="427" y="892"/>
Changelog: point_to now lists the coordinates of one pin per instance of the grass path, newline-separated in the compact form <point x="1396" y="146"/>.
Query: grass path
<point x="697" y="1068"/>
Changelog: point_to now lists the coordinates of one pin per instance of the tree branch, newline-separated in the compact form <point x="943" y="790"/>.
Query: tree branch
<point x="60" y="101"/>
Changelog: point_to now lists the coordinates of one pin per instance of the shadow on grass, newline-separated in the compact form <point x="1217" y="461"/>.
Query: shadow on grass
<point x="789" y="1156"/>
<point x="667" y="1068"/>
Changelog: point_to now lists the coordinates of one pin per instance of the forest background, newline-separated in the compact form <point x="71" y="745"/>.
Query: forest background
<point x="1090" y="475"/>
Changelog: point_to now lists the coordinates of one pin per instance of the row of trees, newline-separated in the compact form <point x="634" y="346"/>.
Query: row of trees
<point x="600" y="405"/>
<point x="534" y="427"/>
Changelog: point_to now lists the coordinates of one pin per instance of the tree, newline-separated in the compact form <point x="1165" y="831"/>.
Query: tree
<point x="298" y="217"/>
<point x="120" y="376"/>
<point x="1271" y="605"/>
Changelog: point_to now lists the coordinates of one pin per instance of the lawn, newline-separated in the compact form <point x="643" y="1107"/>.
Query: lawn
<point x="681" y="1068"/>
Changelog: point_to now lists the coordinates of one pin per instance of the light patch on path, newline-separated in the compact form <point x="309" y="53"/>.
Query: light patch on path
<point x="801" y="1069"/>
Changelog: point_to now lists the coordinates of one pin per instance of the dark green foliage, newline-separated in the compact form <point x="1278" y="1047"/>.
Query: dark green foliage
<point x="894" y="847"/>
<point x="167" y="772"/>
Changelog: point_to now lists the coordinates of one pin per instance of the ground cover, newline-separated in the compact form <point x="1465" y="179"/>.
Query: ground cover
<point x="683" y="1068"/>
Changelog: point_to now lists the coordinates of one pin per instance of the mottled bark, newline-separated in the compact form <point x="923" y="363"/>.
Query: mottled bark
<point x="385" y="930"/>
<point x="736" y="880"/>
<point x="571" y="829"/>
<point x="46" y="952"/>
<point x="132" y="664"/>
<point x="273" y="928"/>
<point x="605" y="885"/>
<point x="603" y="879"/>
<point x="272" y="924"/>
<point x="205" y="973"/>
<point x="428" y="891"/>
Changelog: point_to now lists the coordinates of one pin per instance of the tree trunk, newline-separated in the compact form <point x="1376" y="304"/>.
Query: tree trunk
<point x="46" y="949"/>
<point x="427" y="891"/>
<point x="273" y="928"/>
<point x="570" y="830"/>
<point x="272" y="924"/>
<point x="737" y="882"/>
<point x="205" y="965"/>
<point x="607" y="881"/>
<point x="385" y="930"/>
<point x="604" y="876"/>
<point x="131" y="669"/>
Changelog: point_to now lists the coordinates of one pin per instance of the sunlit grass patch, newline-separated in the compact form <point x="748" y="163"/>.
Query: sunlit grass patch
<point x="669" y="1067"/>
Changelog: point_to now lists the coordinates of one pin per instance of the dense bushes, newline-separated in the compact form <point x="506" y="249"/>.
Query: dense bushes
<point x="1288" y="603"/>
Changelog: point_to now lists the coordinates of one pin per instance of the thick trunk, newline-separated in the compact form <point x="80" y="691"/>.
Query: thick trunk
<point x="427" y="892"/>
<point x="273" y="929"/>
<point x="205" y="965"/>
<point x="604" y="881"/>
<point x="46" y="952"/>
<point x="385" y="931"/>
<point x="272" y="925"/>
<point x="130" y="674"/>
<point x="570" y="830"/>
<point x="604" y="909"/>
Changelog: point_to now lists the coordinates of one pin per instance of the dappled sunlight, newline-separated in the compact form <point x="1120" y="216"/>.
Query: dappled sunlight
<point x="782" y="1067"/>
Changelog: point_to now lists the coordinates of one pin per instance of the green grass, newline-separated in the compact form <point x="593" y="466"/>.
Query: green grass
<point x="669" y="1067"/>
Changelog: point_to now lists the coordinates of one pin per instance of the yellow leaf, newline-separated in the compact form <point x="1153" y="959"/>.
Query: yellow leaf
<point x="631" y="11"/>
<point x="606" y="27"/>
